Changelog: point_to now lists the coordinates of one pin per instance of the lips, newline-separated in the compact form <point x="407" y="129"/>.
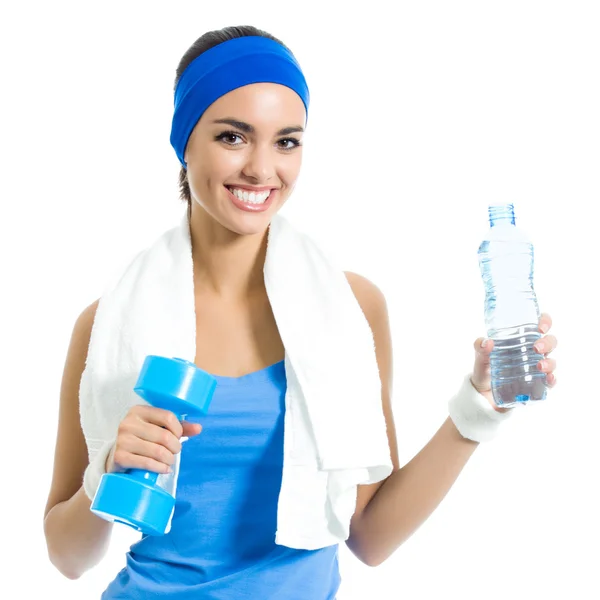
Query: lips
<point x="247" y="206"/>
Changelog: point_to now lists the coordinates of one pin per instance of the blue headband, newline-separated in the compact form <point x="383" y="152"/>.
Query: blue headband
<point x="225" y="67"/>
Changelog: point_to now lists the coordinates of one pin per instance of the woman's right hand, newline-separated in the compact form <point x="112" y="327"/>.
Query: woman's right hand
<point x="148" y="438"/>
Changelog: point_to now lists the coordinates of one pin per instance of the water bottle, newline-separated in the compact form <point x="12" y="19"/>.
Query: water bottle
<point x="511" y="310"/>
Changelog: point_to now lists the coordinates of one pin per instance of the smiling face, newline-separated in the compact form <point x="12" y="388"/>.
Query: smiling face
<point x="245" y="145"/>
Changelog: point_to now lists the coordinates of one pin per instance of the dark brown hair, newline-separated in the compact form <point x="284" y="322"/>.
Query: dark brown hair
<point x="202" y="44"/>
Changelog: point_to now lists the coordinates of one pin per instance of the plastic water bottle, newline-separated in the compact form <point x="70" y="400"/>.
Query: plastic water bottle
<point x="511" y="310"/>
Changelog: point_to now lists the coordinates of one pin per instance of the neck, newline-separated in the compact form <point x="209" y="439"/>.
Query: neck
<point x="226" y="264"/>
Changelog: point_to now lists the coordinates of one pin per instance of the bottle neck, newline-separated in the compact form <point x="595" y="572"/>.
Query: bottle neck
<point x="501" y="214"/>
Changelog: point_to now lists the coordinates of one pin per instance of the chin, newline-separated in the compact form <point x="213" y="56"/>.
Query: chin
<point x="253" y="226"/>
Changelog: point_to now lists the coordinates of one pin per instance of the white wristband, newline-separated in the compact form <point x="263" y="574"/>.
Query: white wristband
<point x="473" y="415"/>
<point x="96" y="468"/>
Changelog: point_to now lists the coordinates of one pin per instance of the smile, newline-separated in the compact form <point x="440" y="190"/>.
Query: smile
<point x="251" y="201"/>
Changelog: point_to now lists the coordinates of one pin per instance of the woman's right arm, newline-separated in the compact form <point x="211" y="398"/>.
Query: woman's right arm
<point x="76" y="538"/>
<point x="148" y="438"/>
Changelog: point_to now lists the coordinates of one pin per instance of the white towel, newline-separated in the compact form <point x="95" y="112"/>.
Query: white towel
<point x="334" y="427"/>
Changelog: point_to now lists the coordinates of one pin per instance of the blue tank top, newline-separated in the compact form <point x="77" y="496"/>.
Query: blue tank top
<point x="222" y="540"/>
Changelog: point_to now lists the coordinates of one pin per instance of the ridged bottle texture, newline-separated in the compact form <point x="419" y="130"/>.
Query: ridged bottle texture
<point x="511" y="310"/>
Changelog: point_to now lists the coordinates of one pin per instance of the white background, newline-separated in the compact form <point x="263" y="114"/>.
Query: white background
<point x="419" y="118"/>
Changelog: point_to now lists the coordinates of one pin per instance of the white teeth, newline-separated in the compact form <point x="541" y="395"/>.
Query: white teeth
<point x="252" y="197"/>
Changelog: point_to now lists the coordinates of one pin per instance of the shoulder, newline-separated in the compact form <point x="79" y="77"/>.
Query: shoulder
<point x="369" y="296"/>
<point x="82" y="332"/>
<point x="374" y="306"/>
<point x="88" y="314"/>
<point x="85" y="320"/>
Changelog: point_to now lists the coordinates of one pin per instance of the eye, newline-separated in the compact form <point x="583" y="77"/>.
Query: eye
<point x="228" y="134"/>
<point x="295" y="143"/>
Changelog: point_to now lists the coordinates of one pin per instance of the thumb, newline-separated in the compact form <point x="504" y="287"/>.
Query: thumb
<point x="190" y="429"/>
<point x="483" y="348"/>
<point x="481" y="369"/>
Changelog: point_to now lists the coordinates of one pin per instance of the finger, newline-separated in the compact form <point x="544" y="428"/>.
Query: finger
<point x="149" y="432"/>
<point x="483" y="346"/>
<point x="160" y="417"/>
<point x="545" y="344"/>
<point x="547" y="365"/>
<point x="144" y="458"/>
<point x="551" y="380"/>
<point x="545" y="323"/>
<point x="191" y="429"/>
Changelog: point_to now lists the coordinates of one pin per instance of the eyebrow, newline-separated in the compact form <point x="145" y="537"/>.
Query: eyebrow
<point x="247" y="128"/>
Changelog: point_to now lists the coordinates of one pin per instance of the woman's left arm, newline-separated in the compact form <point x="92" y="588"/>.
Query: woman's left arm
<point x="389" y="512"/>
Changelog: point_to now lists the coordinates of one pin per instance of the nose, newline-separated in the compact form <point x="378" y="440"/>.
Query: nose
<point x="260" y="164"/>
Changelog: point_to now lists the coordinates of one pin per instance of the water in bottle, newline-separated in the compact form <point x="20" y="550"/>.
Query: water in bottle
<point x="511" y="310"/>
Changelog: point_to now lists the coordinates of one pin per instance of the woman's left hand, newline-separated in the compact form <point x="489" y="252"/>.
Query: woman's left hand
<point x="481" y="378"/>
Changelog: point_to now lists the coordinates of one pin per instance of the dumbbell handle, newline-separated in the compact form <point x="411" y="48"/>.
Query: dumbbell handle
<point x="148" y="476"/>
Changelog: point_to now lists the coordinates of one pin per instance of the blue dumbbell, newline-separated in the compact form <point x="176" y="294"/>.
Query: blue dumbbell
<point x="133" y="497"/>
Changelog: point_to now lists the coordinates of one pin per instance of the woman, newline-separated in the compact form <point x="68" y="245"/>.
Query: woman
<point x="239" y="166"/>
